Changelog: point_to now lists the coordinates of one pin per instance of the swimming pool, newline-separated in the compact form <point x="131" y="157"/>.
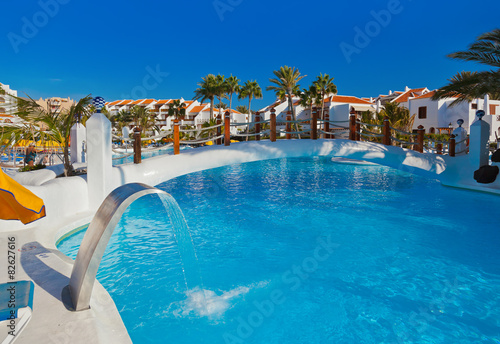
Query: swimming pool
<point x="145" y="154"/>
<point x="308" y="251"/>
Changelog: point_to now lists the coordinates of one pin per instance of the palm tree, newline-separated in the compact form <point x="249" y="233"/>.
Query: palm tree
<point x="211" y="131"/>
<point x="177" y="109"/>
<point x="62" y="127"/>
<point x="29" y="111"/>
<point x="286" y="82"/>
<point x="220" y="86"/>
<point x="137" y="112"/>
<point x="58" y="124"/>
<point x="207" y="89"/>
<point x="221" y="106"/>
<point x="307" y="98"/>
<point x="325" y="87"/>
<point x="466" y="86"/>
<point x="250" y="89"/>
<point x="242" y="109"/>
<point x="232" y="86"/>
<point x="399" y="116"/>
<point x="121" y="119"/>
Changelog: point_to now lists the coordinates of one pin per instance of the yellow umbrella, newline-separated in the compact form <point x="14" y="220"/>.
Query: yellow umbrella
<point x="23" y="143"/>
<point x="48" y="143"/>
<point x="17" y="202"/>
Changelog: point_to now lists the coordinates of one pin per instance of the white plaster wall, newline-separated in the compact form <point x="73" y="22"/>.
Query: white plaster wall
<point x="432" y="113"/>
<point x="454" y="113"/>
<point x="340" y="112"/>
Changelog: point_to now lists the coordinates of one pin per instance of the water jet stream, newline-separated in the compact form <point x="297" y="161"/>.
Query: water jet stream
<point x="101" y="228"/>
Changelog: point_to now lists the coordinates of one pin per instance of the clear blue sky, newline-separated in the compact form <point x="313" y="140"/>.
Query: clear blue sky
<point x="109" y="48"/>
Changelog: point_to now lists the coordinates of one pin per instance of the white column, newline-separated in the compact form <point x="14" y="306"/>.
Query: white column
<point x="486" y="104"/>
<point x="99" y="159"/>
<point x="78" y="136"/>
<point x="478" y="145"/>
<point x="460" y="135"/>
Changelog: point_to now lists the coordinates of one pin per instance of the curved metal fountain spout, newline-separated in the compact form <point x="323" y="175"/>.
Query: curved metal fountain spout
<point x="97" y="237"/>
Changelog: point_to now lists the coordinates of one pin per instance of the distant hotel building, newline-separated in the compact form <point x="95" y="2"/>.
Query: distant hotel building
<point x="55" y="104"/>
<point x="196" y="113"/>
<point x="8" y="105"/>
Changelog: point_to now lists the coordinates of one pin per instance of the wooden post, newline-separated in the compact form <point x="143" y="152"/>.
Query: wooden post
<point x="272" y="125"/>
<point x="327" y="125"/>
<point x="358" y="130"/>
<point x="326" y="114"/>
<point x="352" y="127"/>
<point x="137" y="145"/>
<point x="419" y="147"/>
<point x="314" y="124"/>
<point x="288" y="125"/>
<point x="439" y="149"/>
<point x="219" y="130"/>
<point x="257" y="126"/>
<point x="177" y="145"/>
<point x="451" y="146"/>
<point x="227" y="129"/>
<point x="386" y="130"/>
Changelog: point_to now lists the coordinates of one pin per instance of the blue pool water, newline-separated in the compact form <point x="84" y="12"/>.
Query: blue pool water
<point x="309" y="251"/>
<point x="145" y="155"/>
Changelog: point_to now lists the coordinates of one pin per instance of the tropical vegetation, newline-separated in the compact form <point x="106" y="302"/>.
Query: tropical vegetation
<point x="324" y="86"/>
<point x="232" y="87"/>
<point x="207" y="90"/>
<point x="177" y="109"/>
<point x="250" y="90"/>
<point x="466" y="86"/>
<point x="58" y="125"/>
<point x="286" y="83"/>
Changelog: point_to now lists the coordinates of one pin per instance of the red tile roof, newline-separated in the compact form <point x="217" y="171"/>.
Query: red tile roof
<point x="347" y="99"/>
<point x="411" y="93"/>
<point x="197" y="108"/>
<point x="163" y="101"/>
<point x="426" y="95"/>
<point x="217" y="110"/>
<point x="188" y="104"/>
<point x="137" y="102"/>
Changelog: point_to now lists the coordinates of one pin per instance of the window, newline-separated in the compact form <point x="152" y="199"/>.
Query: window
<point x="493" y="109"/>
<point x="432" y="130"/>
<point x="473" y="106"/>
<point x="422" y="112"/>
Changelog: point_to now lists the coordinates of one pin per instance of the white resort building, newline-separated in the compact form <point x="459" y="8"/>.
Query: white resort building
<point x="8" y="105"/>
<point x="436" y="116"/>
<point x="196" y="113"/>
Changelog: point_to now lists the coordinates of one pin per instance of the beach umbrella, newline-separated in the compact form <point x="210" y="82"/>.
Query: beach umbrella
<point x="17" y="202"/>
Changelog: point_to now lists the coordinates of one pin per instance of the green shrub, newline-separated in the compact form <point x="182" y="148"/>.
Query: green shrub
<point x="32" y="168"/>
